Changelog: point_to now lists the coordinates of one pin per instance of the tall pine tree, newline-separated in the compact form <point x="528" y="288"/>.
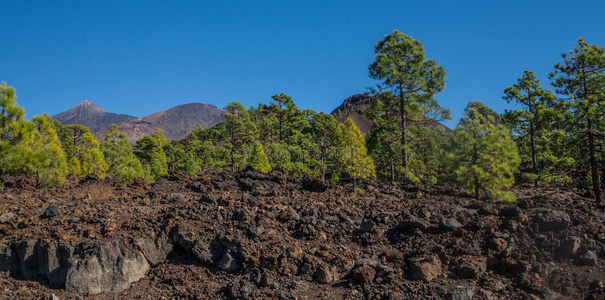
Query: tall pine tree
<point x="580" y="80"/>
<point x="534" y="129"/>
<point x="401" y="66"/>
<point x="241" y="131"/>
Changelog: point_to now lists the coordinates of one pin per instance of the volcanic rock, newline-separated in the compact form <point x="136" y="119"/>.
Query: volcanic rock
<point x="426" y="268"/>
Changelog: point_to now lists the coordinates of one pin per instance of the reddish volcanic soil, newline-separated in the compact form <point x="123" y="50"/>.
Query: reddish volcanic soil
<point x="257" y="236"/>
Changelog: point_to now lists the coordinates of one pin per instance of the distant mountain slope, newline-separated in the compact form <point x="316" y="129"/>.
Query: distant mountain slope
<point x="134" y="130"/>
<point x="92" y="116"/>
<point x="355" y="107"/>
<point x="177" y="122"/>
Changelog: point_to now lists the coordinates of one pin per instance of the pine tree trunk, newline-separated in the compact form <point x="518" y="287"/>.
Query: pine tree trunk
<point x="534" y="161"/>
<point x="596" y="185"/>
<point x="477" y="188"/>
<point x="392" y="169"/>
<point x="280" y="122"/>
<point x="323" y="166"/>
<point x="232" y="150"/>
<point x="404" y="154"/>
<point x="534" y="164"/>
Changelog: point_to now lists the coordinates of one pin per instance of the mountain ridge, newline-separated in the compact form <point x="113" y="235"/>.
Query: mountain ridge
<point x="92" y="116"/>
<point x="176" y="122"/>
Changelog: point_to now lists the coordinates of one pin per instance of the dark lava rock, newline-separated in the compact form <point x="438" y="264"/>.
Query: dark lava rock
<point x="460" y="293"/>
<point x="208" y="199"/>
<point x="175" y="198"/>
<point x="545" y="293"/>
<point x="367" y="226"/>
<point x="450" y="224"/>
<point x="363" y="275"/>
<point x="426" y="268"/>
<point x="552" y="220"/>
<point x="51" y="212"/>
<point x="471" y="267"/>
<point x="111" y="267"/>
<point x="323" y="274"/>
<point x="569" y="247"/>
<point x="239" y="289"/>
<point x="493" y="284"/>
<point x="411" y="221"/>
<point x="513" y="212"/>
<point x="587" y="259"/>
<point x="255" y="231"/>
<point x="267" y="280"/>
<point x="27" y="253"/>
<point x="8" y="259"/>
<point x="497" y="244"/>
<point x="229" y="262"/>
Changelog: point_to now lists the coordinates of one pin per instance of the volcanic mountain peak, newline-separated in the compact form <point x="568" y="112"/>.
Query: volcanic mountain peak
<point x="87" y="108"/>
<point x="91" y="115"/>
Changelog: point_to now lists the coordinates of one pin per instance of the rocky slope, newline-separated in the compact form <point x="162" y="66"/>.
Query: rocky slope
<point x="92" y="116"/>
<point x="133" y="130"/>
<point x="354" y="108"/>
<point x="257" y="236"/>
<point x="177" y="122"/>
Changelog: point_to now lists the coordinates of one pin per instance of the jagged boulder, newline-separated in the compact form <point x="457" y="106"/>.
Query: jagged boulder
<point x="154" y="250"/>
<point x="27" y="254"/>
<point x="426" y="268"/>
<point x="552" y="220"/>
<point x="53" y="261"/>
<point x="8" y="260"/>
<point x="111" y="267"/>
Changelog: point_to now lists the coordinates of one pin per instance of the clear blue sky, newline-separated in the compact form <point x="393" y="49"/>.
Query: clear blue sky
<point x="139" y="57"/>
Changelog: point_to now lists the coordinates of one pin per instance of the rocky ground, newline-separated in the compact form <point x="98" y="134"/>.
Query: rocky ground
<point x="257" y="236"/>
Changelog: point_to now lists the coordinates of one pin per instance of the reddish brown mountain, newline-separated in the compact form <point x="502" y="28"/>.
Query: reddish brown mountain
<point x="177" y="122"/>
<point x="92" y="116"/>
<point x="354" y="108"/>
<point x="134" y="130"/>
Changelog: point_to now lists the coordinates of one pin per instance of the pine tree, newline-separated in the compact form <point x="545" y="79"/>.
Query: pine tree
<point x="10" y="113"/>
<point x="241" y="132"/>
<point x="534" y="131"/>
<point x="201" y="148"/>
<point x="279" y="157"/>
<point x="11" y="119"/>
<point x="80" y="144"/>
<point x="485" y="154"/>
<point x="122" y="162"/>
<point x="91" y="156"/>
<point x="383" y="139"/>
<point x="354" y="157"/>
<point x="326" y="135"/>
<point x="580" y="79"/>
<point x="51" y="164"/>
<point x="74" y="167"/>
<point x="258" y="160"/>
<point x="150" y="151"/>
<point x="403" y="69"/>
